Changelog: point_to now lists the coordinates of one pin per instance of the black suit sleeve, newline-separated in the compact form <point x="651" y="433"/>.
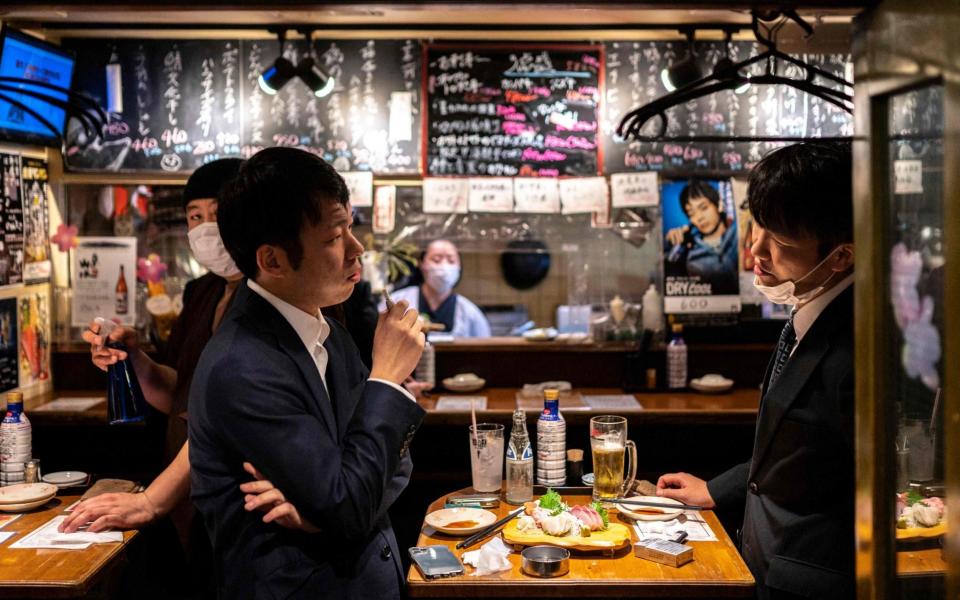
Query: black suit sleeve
<point x="729" y="489"/>
<point x="340" y="487"/>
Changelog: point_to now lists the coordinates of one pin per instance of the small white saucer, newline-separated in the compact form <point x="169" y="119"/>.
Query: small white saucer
<point x="711" y="383"/>
<point x="64" y="478"/>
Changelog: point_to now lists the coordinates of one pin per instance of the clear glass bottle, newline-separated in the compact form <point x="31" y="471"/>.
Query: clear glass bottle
<point x="519" y="461"/>
<point x="551" y="442"/>
<point x="677" y="359"/>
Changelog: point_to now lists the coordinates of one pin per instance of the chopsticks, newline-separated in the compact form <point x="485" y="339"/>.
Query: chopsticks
<point x="484" y="533"/>
<point x="627" y="502"/>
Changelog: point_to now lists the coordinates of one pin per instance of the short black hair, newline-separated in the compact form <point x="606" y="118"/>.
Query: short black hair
<point x="209" y="179"/>
<point x="698" y="188"/>
<point x="805" y="191"/>
<point x="276" y="193"/>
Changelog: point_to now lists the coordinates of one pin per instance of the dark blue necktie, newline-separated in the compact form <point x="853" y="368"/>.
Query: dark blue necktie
<point x="788" y="339"/>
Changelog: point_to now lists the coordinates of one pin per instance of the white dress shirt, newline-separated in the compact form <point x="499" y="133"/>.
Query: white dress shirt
<point x="313" y="331"/>
<point x="807" y="314"/>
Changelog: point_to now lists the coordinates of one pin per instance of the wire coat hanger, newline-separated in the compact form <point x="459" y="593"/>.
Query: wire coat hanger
<point x="729" y="77"/>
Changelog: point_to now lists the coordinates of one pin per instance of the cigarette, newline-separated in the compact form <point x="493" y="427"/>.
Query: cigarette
<point x="387" y="299"/>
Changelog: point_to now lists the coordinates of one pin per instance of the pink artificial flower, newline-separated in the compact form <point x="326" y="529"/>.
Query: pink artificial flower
<point x="151" y="268"/>
<point x="66" y="237"/>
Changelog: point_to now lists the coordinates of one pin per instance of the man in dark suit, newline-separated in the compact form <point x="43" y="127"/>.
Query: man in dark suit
<point x="284" y="388"/>
<point x="797" y="490"/>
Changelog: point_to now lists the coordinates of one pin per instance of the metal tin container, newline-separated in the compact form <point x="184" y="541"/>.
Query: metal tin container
<point x="545" y="561"/>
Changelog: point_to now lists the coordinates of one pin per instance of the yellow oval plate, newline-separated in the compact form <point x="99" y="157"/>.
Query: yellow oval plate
<point x="919" y="533"/>
<point x="613" y="537"/>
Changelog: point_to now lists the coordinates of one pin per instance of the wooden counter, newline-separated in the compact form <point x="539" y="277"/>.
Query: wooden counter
<point x="48" y="573"/>
<point x="734" y="407"/>
<point x="716" y="571"/>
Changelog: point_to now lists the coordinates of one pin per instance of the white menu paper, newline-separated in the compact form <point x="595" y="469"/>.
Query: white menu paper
<point x="385" y="209"/>
<point x="360" y="184"/>
<point x="536" y="195"/>
<point x="634" y="189"/>
<point x="105" y="280"/>
<point x="491" y="194"/>
<point x="446" y="195"/>
<point x="583" y="195"/>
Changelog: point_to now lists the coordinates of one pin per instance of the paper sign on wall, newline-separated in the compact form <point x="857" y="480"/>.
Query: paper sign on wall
<point x="908" y="177"/>
<point x="360" y="184"/>
<point x="105" y="280"/>
<point x="634" y="189"/>
<point x="536" y="195"/>
<point x="491" y="194"/>
<point x="446" y="195"/>
<point x="583" y="195"/>
<point x="384" y="209"/>
<point x="401" y="117"/>
<point x="602" y="219"/>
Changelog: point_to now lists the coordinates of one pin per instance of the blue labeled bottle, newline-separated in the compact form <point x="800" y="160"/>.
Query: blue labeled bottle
<point x="125" y="401"/>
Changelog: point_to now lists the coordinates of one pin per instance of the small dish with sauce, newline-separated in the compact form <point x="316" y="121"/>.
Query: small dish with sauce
<point x="460" y="521"/>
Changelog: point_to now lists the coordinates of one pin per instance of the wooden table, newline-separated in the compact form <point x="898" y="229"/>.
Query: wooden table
<point x="47" y="573"/>
<point x="716" y="571"/>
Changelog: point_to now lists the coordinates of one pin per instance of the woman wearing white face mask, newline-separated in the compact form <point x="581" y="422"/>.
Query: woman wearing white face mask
<point x="435" y="298"/>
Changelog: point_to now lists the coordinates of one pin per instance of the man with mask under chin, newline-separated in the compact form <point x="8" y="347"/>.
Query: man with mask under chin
<point x="797" y="489"/>
<point x="435" y="298"/>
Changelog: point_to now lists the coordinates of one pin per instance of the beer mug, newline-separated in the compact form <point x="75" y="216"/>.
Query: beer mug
<point x="609" y="445"/>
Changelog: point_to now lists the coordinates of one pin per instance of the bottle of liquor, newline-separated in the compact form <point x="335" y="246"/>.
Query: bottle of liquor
<point x="426" y="370"/>
<point x="15" y="441"/>
<point x="677" y="359"/>
<point x="125" y="401"/>
<point x="551" y="442"/>
<point x="123" y="296"/>
<point x="519" y="461"/>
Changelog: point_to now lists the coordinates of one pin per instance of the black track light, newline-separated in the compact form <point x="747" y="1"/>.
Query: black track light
<point x="318" y="80"/>
<point x="276" y="76"/>
<point x="683" y="72"/>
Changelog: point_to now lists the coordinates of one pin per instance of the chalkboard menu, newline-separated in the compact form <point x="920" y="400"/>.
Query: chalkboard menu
<point x="512" y="110"/>
<point x="633" y="79"/>
<point x="188" y="102"/>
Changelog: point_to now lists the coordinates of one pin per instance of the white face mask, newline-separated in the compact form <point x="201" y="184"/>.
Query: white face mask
<point x="783" y="293"/>
<point x="208" y="249"/>
<point x="442" y="277"/>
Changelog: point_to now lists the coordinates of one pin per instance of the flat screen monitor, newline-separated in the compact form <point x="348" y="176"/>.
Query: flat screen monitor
<point x="25" y="57"/>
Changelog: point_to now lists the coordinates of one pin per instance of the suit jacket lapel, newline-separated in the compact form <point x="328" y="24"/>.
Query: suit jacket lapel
<point x="269" y="320"/>
<point x="337" y="381"/>
<point x="811" y="349"/>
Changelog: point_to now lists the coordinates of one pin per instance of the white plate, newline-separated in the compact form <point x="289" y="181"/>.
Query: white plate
<point x="544" y="334"/>
<point x="464" y="385"/>
<point x="711" y="386"/>
<point x="26" y="492"/>
<point x="65" y="477"/>
<point x="25" y="506"/>
<point x="443" y="518"/>
<point x="666" y="515"/>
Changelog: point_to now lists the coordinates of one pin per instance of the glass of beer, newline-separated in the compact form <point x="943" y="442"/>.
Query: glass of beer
<point x="609" y="445"/>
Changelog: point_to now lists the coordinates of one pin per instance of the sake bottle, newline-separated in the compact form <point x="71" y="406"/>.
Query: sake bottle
<point x="125" y="401"/>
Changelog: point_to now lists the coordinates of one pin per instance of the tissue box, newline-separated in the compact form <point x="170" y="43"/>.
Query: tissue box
<point x="664" y="551"/>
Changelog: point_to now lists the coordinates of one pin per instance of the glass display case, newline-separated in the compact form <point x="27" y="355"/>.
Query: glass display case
<point x="907" y="208"/>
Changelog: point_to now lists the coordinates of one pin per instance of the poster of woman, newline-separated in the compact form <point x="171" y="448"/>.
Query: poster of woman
<point x="700" y="247"/>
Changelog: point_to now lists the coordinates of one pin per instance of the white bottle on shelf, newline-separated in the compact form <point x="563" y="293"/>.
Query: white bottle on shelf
<point x="426" y="371"/>
<point x="677" y="359"/>
<point x="16" y="443"/>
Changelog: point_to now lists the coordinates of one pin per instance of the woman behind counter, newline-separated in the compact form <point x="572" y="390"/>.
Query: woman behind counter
<point x="435" y="298"/>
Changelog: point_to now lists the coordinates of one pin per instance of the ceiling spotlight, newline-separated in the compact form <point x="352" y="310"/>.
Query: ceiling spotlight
<point x="276" y="76"/>
<point x="318" y="80"/>
<point x="279" y="73"/>
<point x="683" y="72"/>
